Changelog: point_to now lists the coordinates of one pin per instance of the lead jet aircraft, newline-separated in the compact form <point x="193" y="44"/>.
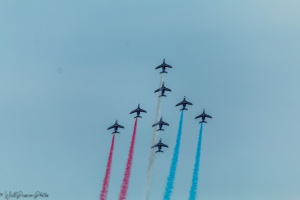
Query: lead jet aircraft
<point x="203" y="115"/>
<point x="163" y="66"/>
<point x="184" y="103"/>
<point x="159" y="145"/>
<point x="160" y="123"/>
<point x="162" y="89"/>
<point x="115" y="126"/>
<point x="138" y="111"/>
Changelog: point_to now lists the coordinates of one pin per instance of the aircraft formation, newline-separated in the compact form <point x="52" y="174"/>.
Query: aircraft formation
<point x="161" y="123"/>
<point x="158" y="126"/>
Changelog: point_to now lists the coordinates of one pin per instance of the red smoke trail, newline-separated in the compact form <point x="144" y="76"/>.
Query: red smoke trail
<point x="105" y="184"/>
<point x="126" y="178"/>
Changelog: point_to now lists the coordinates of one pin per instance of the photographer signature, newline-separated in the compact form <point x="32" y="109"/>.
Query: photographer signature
<point x="20" y="194"/>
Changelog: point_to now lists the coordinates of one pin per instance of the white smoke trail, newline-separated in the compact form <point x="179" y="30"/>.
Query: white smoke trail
<point x="152" y="151"/>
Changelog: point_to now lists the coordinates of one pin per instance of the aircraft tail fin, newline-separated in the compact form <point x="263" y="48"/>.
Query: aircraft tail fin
<point x="163" y="95"/>
<point x="163" y="72"/>
<point x="183" y="109"/>
<point x="159" y="151"/>
<point x="203" y="122"/>
<point x="138" y="117"/>
<point x="160" y="129"/>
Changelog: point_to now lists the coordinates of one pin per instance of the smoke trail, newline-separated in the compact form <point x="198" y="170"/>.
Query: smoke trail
<point x="105" y="184"/>
<point x="193" y="191"/>
<point x="152" y="151"/>
<point x="126" y="178"/>
<point x="172" y="173"/>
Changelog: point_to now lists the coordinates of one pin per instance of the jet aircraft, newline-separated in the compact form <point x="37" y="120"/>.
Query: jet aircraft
<point x="138" y="111"/>
<point x="159" y="145"/>
<point x="162" y="89"/>
<point x="184" y="103"/>
<point x="160" y="123"/>
<point x="203" y="116"/>
<point x="163" y="66"/>
<point x="115" y="127"/>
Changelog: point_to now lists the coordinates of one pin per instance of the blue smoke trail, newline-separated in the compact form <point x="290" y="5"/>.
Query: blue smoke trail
<point x="171" y="177"/>
<point x="193" y="191"/>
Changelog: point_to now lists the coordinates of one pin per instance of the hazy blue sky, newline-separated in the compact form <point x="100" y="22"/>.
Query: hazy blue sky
<point x="68" y="69"/>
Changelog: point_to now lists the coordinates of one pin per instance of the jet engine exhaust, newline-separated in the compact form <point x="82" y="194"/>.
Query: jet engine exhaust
<point x="152" y="152"/>
<point x="126" y="178"/>
<point x="193" y="190"/>
<point x="105" y="184"/>
<point x="172" y="173"/>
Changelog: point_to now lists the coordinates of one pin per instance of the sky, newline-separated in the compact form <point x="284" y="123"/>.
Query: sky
<point x="69" y="69"/>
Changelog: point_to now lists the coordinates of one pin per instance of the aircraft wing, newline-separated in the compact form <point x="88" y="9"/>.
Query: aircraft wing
<point x="157" y="90"/>
<point x="154" y="146"/>
<point x="208" y="116"/>
<point x="157" y="123"/>
<point x="189" y="103"/>
<point x="169" y="66"/>
<point x="165" y="123"/>
<point x="179" y="104"/>
<point x="167" y="89"/>
<point x="141" y="110"/>
<point x="164" y="145"/>
<point x="120" y="126"/>
<point x="199" y="116"/>
<point x="160" y="66"/>
<point x="111" y="127"/>
<point x="133" y="111"/>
